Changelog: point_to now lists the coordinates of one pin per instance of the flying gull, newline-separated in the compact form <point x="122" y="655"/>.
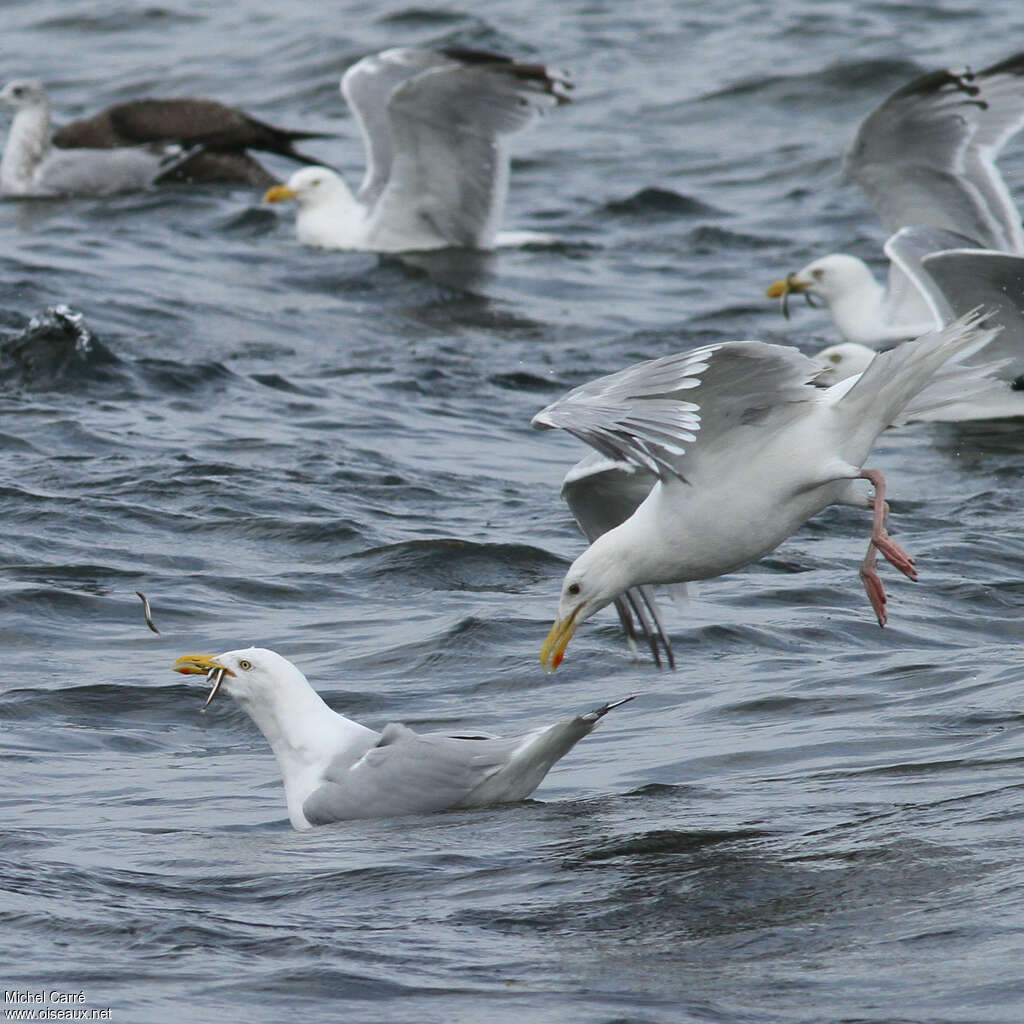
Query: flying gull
<point x="335" y="769"/>
<point x="741" y="445"/>
<point x="134" y="144"/>
<point x="434" y="125"/>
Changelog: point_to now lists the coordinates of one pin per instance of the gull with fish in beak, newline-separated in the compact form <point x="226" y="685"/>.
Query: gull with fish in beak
<point x="335" y="769"/>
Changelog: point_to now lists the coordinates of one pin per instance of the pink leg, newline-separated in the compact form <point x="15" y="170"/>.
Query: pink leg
<point x="881" y="541"/>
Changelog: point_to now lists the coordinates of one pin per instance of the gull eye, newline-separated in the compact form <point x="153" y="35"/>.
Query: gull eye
<point x="245" y="665"/>
<point x="18" y="91"/>
<point x="819" y="273"/>
<point x="573" y="588"/>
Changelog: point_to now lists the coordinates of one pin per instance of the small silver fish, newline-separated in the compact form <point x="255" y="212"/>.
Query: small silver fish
<point x="147" y="611"/>
<point x="216" y="675"/>
<point x="785" y="295"/>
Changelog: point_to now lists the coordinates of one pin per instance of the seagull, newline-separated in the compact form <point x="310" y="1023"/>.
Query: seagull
<point x="935" y="277"/>
<point x="335" y="769"/>
<point x="741" y="445"/>
<point x="133" y="145"/>
<point x="925" y="159"/>
<point x="32" y="166"/>
<point x="434" y="126"/>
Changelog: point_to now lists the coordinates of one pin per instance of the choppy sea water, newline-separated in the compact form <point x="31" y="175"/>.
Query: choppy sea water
<point x="811" y="820"/>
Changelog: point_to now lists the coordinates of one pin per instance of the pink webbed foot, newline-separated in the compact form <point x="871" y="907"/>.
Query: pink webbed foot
<point x="881" y="541"/>
<point x="873" y="586"/>
<point x="895" y="555"/>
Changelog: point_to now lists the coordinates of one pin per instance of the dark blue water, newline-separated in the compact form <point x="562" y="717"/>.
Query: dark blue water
<point x="329" y="454"/>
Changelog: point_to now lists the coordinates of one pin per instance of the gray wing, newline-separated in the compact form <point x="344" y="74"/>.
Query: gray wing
<point x="96" y="172"/>
<point x="927" y="154"/>
<point x="407" y="773"/>
<point x="970" y="278"/>
<point x="602" y="493"/>
<point x="650" y="414"/>
<point x="912" y="296"/>
<point x="416" y="773"/>
<point x="367" y="87"/>
<point x="449" y="166"/>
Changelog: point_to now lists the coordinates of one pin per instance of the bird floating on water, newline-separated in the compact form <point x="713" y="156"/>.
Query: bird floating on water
<point x="434" y="125"/>
<point x="133" y="145"/>
<point x="709" y="459"/>
<point x="335" y="769"/>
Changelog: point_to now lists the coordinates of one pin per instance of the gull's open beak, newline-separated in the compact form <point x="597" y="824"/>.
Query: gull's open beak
<point x="553" y="651"/>
<point x="279" y="193"/>
<point x="203" y="665"/>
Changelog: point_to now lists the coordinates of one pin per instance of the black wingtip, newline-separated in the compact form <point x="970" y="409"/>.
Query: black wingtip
<point x="555" y="82"/>
<point x="599" y="713"/>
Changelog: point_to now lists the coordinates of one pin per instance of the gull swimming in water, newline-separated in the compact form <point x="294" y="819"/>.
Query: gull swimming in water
<point x="33" y="166"/>
<point x="133" y="145"/>
<point x="335" y="769"/>
<point x="434" y="125"/>
<point x="736" y="446"/>
<point x="958" y="281"/>
<point x="925" y="158"/>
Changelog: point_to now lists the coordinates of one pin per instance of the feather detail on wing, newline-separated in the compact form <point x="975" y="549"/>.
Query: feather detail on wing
<point x="926" y="156"/>
<point x="651" y="414"/>
<point x="433" y="124"/>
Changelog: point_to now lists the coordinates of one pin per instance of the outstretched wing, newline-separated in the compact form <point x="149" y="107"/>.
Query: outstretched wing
<point x="912" y="297"/>
<point x="442" y="162"/>
<point x="367" y="87"/>
<point x="651" y="414"/>
<point x="994" y="281"/>
<point x="927" y="155"/>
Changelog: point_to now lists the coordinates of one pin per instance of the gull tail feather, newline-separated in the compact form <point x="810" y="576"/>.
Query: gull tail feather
<point x="893" y="378"/>
<point x="598" y="713"/>
<point x="958" y="392"/>
<point x="535" y="756"/>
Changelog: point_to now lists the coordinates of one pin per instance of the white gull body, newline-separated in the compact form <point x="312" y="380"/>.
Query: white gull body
<point x="32" y="167"/>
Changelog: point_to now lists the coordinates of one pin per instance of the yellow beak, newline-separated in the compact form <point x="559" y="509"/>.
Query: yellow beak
<point x="784" y="287"/>
<point x="203" y="665"/>
<point x="553" y="651"/>
<point x="199" y="665"/>
<point x="279" y="193"/>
